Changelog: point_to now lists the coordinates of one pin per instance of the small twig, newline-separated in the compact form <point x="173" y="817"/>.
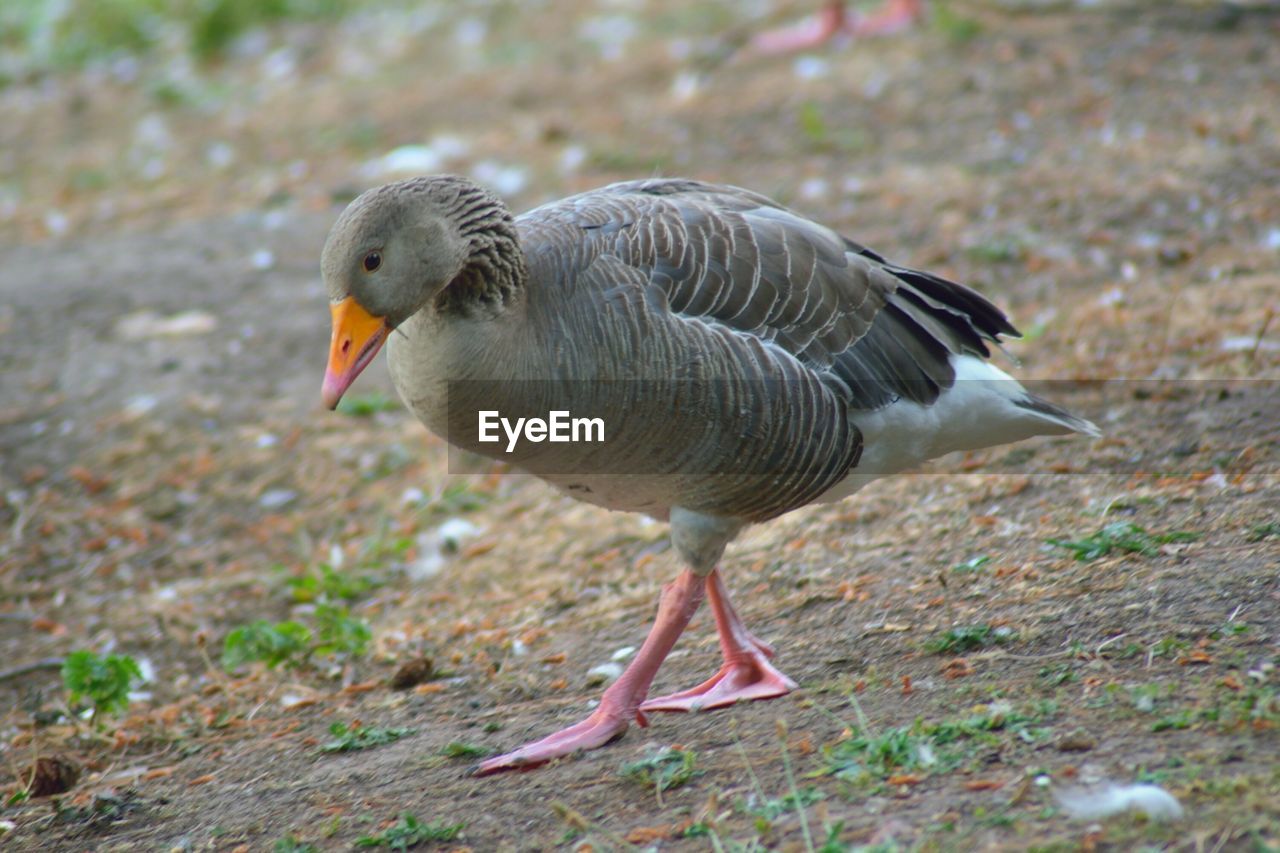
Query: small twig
<point x="27" y="668"/>
<point x="1226" y="836"/>
<point x="1109" y="641"/>
<point x="791" y="783"/>
<point x="28" y="510"/>
<point x="582" y="823"/>
<point x="862" y="718"/>
<point x="755" y="780"/>
<point x="1001" y="653"/>
<point x="1262" y="330"/>
<point x="814" y="703"/>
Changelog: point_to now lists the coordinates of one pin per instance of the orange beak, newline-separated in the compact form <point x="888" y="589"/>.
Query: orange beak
<point x="357" y="337"/>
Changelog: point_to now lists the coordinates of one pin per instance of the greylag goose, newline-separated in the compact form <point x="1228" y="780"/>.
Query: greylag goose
<point x="834" y="19"/>
<point x="745" y="361"/>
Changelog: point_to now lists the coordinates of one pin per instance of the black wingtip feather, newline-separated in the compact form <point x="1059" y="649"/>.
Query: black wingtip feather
<point x="986" y="317"/>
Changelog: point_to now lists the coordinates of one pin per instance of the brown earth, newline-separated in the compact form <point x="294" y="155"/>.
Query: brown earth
<point x="1107" y="174"/>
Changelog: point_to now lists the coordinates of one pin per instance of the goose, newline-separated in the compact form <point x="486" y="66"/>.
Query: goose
<point x="745" y="360"/>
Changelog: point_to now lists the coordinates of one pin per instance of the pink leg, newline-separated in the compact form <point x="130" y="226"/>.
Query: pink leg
<point x="807" y="34"/>
<point x="893" y="17"/>
<point x="621" y="702"/>
<point x="746" y="673"/>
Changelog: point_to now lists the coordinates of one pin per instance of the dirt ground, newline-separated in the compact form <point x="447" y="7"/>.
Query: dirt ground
<point x="1106" y="173"/>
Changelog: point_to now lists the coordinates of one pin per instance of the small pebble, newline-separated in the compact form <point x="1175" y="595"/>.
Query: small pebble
<point x="470" y="32"/>
<point x="412" y="673"/>
<point x="408" y="159"/>
<point x="148" y="324"/>
<point x="139" y="406"/>
<point x="811" y="68"/>
<point x="572" y="158"/>
<point x="51" y="774"/>
<point x="813" y="189"/>
<point x="686" y="85"/>
<point x="1076" y="741"/>
<point x="453" y="531"/>
<point x="57" y="222"/>
<point x="220" y="154"/>
<point x="504" y="180"/>
<point x="277" y="498"/>
<point x="605" y="672"/>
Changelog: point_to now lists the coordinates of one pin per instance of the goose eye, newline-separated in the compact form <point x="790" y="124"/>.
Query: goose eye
<point x="372" y="261"/>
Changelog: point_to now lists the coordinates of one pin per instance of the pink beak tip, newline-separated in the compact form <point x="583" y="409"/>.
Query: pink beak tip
<point x="331" y="390"/>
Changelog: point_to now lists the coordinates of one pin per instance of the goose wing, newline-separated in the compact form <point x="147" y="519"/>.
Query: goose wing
<point x="778" y="325"/>
<point x="874" y="331"/>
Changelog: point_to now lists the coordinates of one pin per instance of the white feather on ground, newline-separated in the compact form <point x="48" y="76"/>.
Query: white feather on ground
<point x="1096" y="803"/>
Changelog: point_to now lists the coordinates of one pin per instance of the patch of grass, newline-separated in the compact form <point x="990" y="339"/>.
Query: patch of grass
<point x="1169" y="647"/>
<point x="662" y="771"/>
<point x="367" y="405"/>
<point x="773" y="809"/>
<point x="1177" y="720"/>
<point x="627" y="160"/>
<point x="378" y="549"/>
<point x="409" y="831"/>
<point x="972" y="565"/>
<point x="967" y="638"/>
<point x="999" y="716"/>
<point x="292" y="844"/>
<point x="1254" y="706"/>
<point x="998" y="250"/>
<point x="88" y="180"/>
<point x="215" y="24"/>
<point x="393" y="458"/>
<point x="1123" y="536"/>
<point x="350" y="738"/>
<point x="866" y="755"/>
<point x="1258" y="532"/>
<point x="1057" y="675"/>
<point x="1144" y="697"/>
<point x="103" y="810"/>
<point x="285" y="643"/>
<point x="70" y="34"/>
<point x="1230" y="629"/>
<point x="819" y="134"/>
<point x="1260" y="706"/>
<point x="812" y="123"/>
<point x="456" y="499"/>
<point x="458" y="749"/>
<point x="102" y="680"/>
<point x="337" y="632"/>
<point x="325" y="583"/>
<point x="292" y="644"/>
<point x="953" y="26"/>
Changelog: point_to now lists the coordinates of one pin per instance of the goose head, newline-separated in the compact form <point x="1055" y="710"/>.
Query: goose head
<point x="391" y="253"/>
